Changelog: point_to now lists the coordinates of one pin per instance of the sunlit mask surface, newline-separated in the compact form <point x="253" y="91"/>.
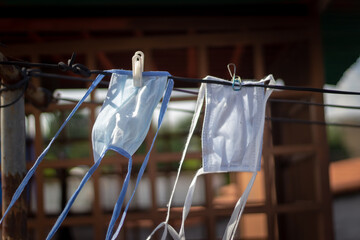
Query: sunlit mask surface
<point x="121" y="126"/>
<point x="126" y="114"/>
<point x="231" y="141"/>
<point x="233" y="128"/>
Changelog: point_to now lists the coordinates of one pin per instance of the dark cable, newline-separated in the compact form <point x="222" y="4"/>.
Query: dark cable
<point x="64" y="77"/>
<point x="286" y="101"/>
<point x="301" y="121"/>
<point x="75" y="100"/>
<point x="186" y="91"/>
<point x="25" y="83"/>
<point x="29" y="64"/>
<point x="278" y="87"/>
<point x="312" y="103"/>
<point x="70" y="66"/>
<point x="290" y="120"/>
<point x="36" y="73"/>
<point x="82" y="69"/>
<point x="180" y="110"/>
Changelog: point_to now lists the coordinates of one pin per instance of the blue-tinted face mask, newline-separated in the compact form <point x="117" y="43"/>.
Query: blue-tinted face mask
<point x="124" y="122"/>
<point x="126" y="114"/>
<point x="121" y="126"/>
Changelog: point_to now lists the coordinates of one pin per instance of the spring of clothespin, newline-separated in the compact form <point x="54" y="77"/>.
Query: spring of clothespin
<point x="236" y="80"/>
<point x="138" y="68"/>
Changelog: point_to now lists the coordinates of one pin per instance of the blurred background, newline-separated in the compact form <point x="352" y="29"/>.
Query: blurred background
<point x="308" y="186"/>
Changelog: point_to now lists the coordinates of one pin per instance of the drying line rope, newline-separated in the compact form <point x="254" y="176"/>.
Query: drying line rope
<point x="84" y="71"/>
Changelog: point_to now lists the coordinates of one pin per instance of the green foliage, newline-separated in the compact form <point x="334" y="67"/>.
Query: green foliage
<point x="73" y="140"/>
<point x="336" y="146"/>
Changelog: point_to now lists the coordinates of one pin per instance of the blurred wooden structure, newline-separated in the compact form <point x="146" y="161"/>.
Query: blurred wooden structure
<point x="291" y="197"/>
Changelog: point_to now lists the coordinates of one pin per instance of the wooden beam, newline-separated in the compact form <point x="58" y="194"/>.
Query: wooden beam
<point x="148" y="23"/>
<point x="159" y="42"/>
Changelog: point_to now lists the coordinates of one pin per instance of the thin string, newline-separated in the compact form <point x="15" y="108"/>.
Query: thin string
<point x="312" y="103"/>
<point x="273" y="119"/>
<point x="301" y="121"/>
<point x="32" y="170"/>
<point x="192" y="80"/>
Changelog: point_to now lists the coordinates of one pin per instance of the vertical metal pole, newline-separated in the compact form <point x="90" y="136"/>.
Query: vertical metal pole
<point x="13" y="163"/>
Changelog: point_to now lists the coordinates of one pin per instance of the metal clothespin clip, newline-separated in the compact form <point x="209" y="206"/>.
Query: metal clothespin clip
<point x="138" y="68"/>
<point x="236" y="80"/>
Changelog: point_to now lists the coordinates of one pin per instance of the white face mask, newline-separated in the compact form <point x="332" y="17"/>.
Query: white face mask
<point x="233" y="128"/>
<point x="231" y="141"/>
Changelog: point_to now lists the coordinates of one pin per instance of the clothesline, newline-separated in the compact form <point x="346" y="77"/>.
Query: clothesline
<point x="247" y="165"/>
<point x="85" y="72"/>
<point x="273" y="119"/>
<point x="38" y="73"/>
<point x="270" y="100"/>
<point x="196" y="80"/>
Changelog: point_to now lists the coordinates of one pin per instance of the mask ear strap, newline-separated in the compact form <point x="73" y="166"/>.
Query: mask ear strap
<point x="238" y="210"/>
<point x="119" y="202"/>
<point x="268" y="92"/>
<point x="188" y="201"/>
<point x="199" y="104"/>
<point x="31" y="172"/>
<point x="163" y="108"/>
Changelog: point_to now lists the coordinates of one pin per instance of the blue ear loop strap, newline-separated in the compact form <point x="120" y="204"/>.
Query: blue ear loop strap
<point x="87" y="176"/>
<point x="84" y="180"/>
<point x="115" y="216"/>
<point x="119" y="202"/>
<point x="31" y="172"/>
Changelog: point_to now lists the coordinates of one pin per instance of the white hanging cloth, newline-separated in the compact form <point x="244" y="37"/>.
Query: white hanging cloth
<point x="231" y="141"/>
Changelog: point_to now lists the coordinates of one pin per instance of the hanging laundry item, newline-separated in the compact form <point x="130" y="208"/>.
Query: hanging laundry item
<point x="121" y="126"/>
<point x="231" y="141"/>
<point x="126" y="114"/>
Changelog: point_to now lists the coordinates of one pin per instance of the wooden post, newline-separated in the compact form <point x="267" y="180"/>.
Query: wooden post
<point x="13" y="163"/>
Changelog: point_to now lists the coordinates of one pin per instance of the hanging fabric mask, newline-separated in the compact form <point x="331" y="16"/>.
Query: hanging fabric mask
<point x="126" y="116"/>
<point x="121" y="126"/>
<point x="231" y="141"/>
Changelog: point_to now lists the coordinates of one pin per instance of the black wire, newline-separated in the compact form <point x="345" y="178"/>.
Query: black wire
<point x="82" y="70"/>
<point x="186" y="91"/>
<point x="75" y="100"/>
<point x="290" y="120"/>
<point x="273" y="119"/>
<point x="180" y="110"/>
<point x="70" y="66"/>
<point x="64" y="77"/>
<point x="286" y="101"/>
<point x="56" y="76"/>
<point x="301" y="121"/>
<point x="25" y="83"/>
<point x="278" y="87"/>
<point x="312" y="103"/>
<point x="29" y="64"/>
<point x="193" y="80"/>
